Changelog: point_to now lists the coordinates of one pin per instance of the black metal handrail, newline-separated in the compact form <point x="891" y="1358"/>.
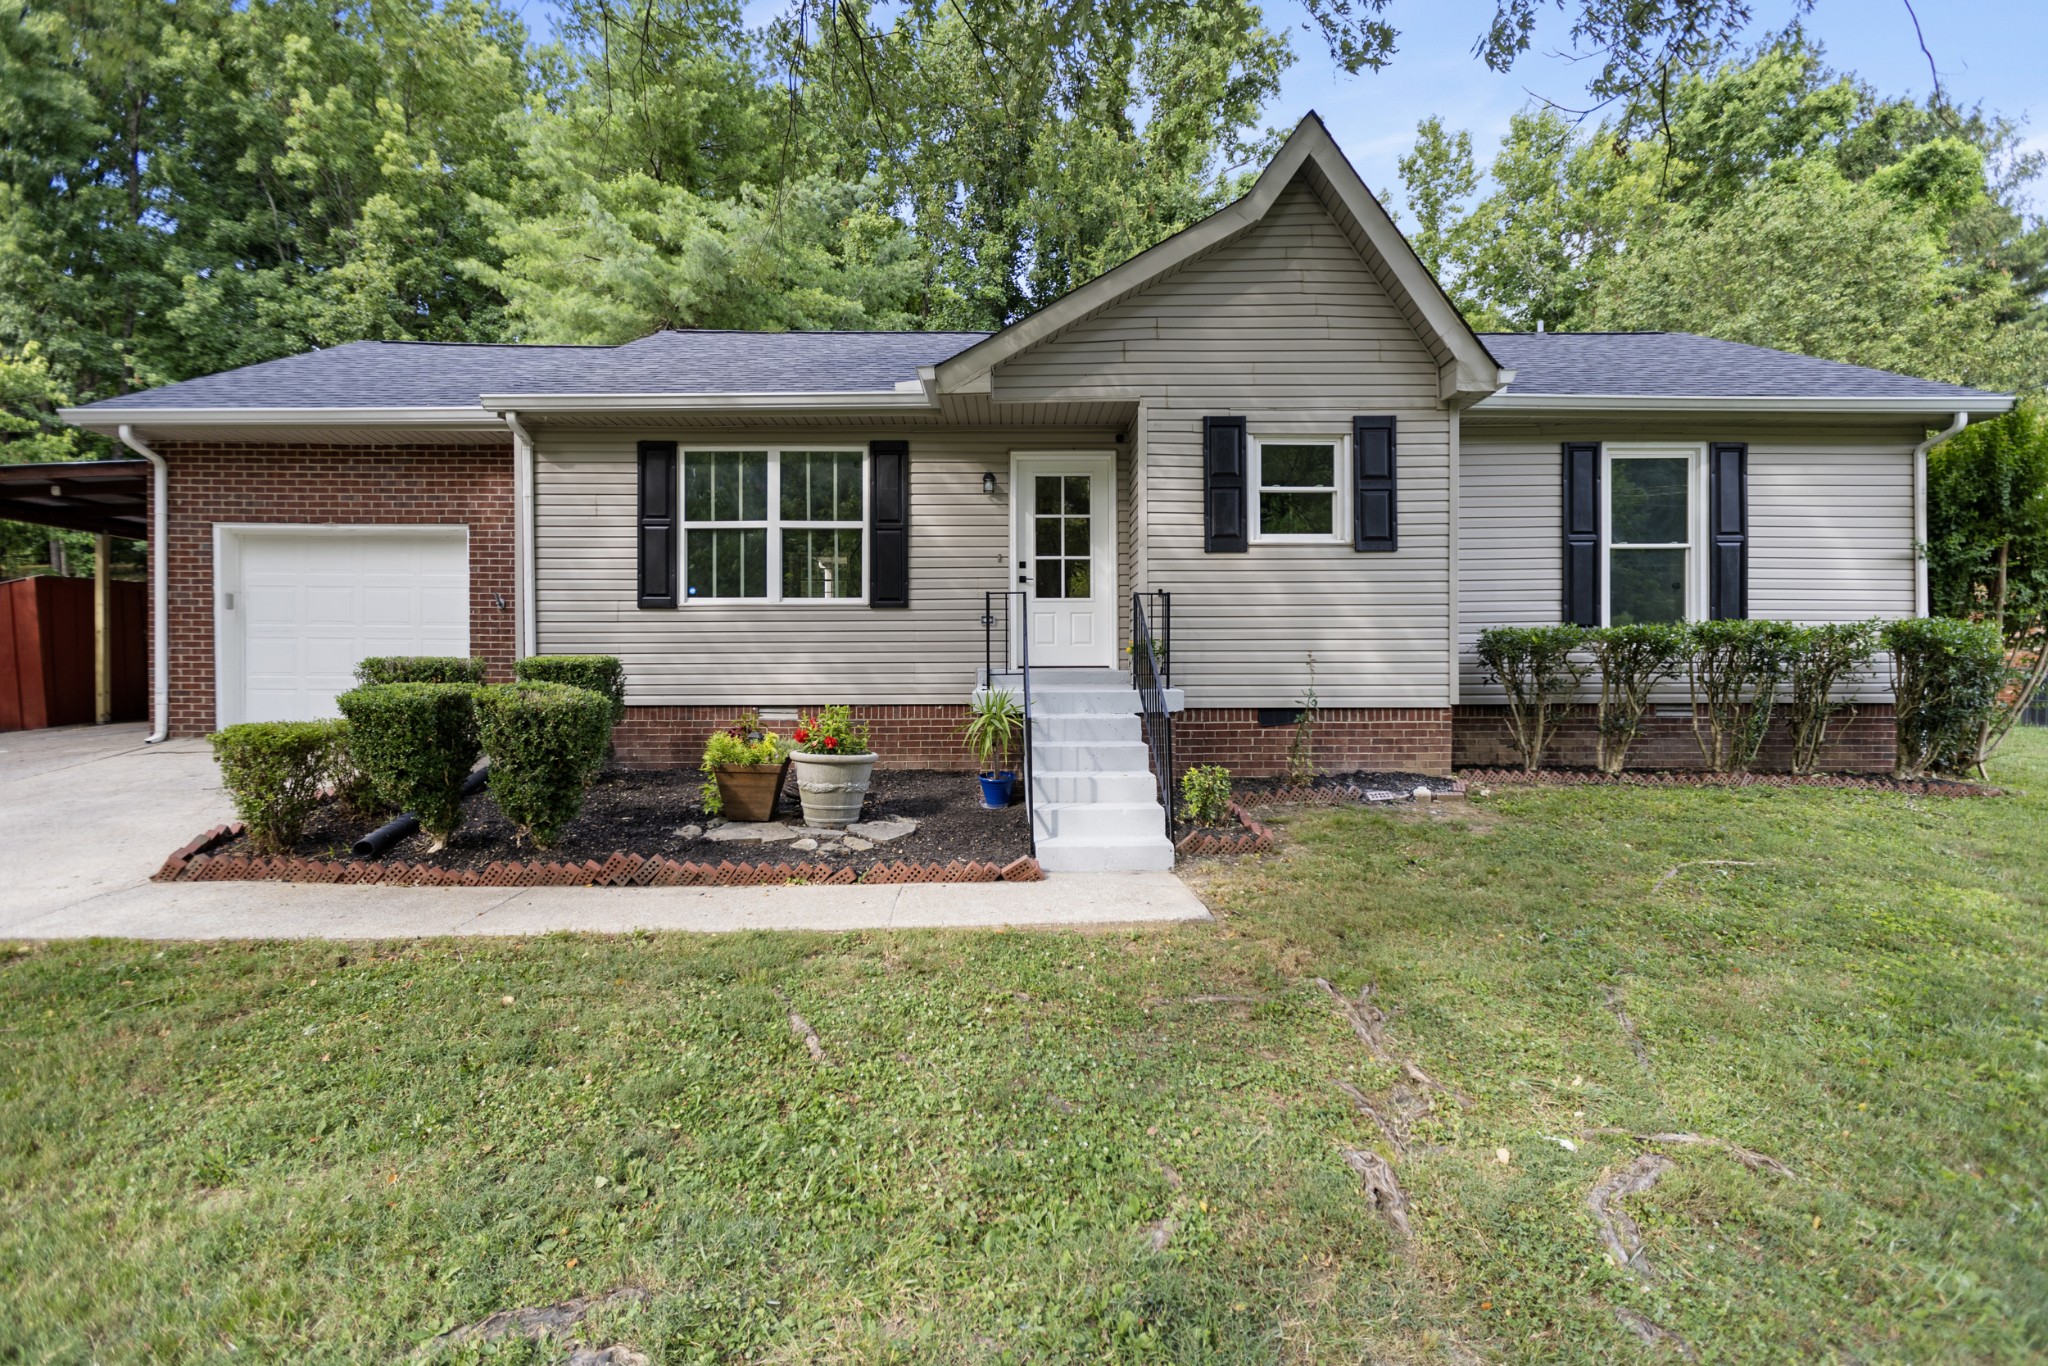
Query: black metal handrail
<point x="1159" y="616"/>
<point x="988" y="681"/>
<point x="1151" y="657"/>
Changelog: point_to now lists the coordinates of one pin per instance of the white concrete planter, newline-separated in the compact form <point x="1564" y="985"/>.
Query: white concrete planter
<point x="832" y="786"/>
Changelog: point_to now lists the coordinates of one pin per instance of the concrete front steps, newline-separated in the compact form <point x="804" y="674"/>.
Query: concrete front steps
<point x="1095" y="801"/>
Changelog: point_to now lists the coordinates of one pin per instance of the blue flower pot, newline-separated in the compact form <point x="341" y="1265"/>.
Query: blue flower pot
<point x="996" y="790"/>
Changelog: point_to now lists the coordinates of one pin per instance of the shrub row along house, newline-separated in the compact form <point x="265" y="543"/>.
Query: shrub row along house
<point x="1276" y="417"/>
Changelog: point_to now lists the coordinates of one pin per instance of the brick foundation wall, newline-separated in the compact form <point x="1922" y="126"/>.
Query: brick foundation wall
<point x="902" y="736"/>
<point x="330" y="485"/>
<point x="1865" y="744"/>
<point x="1398" y="739"/>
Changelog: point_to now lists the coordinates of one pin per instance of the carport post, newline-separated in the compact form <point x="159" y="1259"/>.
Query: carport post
<point x="102" y="633"/>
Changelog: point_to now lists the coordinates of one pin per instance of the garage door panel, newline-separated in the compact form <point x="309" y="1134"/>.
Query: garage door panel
<point x="315" y="603"/>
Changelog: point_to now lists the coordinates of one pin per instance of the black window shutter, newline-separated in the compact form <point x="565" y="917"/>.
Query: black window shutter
<point x="1223" y="485"/>
<point x="1375" y="523"/>
<point x="1728" y="495"/>
<point x="1581" y="533"/>
<point x="889" y="524"/>
<point x="658" y="559"/>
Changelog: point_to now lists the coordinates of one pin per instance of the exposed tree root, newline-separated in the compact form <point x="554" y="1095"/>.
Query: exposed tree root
<point x="1654" y="1334"/>
<point x="1748" y="1157"/>
<point x="547" y="1320"/>
<point x="1366" y="1019"/>
<point x="1382" y="1188"/>
<point x="1620" y="1234"/>
<point x="618" y="1354"/>
<point x="1158" y="1234"/>
<point x="801" y="1027"/>
<point x="1628" y="1026"/>
<point x="1676" y="869"/>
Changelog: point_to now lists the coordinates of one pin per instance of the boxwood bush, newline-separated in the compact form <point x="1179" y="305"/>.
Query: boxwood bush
<point x="601" y="674"/>
<point x="1946" y="682"/>
<point x="416" y="743"/>
<point x="274" y="771"/>
<point x="419" y="669"/>
<point x="546" y="742"/>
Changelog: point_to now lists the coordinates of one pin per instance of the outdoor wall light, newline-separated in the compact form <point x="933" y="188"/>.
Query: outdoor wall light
<point x="988" y="483"/>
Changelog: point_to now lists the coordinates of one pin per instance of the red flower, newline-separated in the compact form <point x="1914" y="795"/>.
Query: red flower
<point x="831" y="742"/>
<point x="802" y="735"/>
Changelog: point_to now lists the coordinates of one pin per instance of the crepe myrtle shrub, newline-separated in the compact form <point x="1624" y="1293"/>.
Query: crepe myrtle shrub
<point x="1822" y="658"/>
<point x="546" y="741"/>
<point x="1946" y="678"/>
<point x="1540" y="669"/>
<point x="417" y="743"/>
<point x="1733" y="672"/>
<point x="601" y="674"/>
<point x="419" y="669"/>
<point x="275" y="771"/>
<point x="1631" y="661"/>
<point x="1205" y="794"/>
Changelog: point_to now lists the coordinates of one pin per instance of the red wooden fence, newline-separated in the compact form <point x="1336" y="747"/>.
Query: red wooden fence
<point x="46" y="673"/>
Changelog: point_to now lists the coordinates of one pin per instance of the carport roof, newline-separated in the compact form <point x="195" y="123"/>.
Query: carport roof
<point x="110" y="496"/>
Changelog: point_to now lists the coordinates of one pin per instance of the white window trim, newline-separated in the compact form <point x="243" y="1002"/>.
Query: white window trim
<point x="1340" y="502"/>
<point x="1696" y="492"/>
<point x="774" y="525"/>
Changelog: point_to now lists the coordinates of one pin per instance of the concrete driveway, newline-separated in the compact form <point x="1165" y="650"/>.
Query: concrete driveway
<point x="88" y="813"/>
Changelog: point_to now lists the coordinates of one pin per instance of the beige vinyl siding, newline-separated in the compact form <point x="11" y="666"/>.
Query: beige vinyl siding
<point x="749" y="654"/>
<point x="1830" y="510"/>
<point x="1286" y="325"/>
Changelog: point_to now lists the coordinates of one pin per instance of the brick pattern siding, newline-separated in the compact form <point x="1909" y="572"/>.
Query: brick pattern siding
<point x="902" y="736"/>
<point x="1401" y="739"/>
<point x="1867" y="743"/>
<point x="327" y="485"/>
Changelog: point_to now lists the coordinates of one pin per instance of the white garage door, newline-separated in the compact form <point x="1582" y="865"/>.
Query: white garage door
<point x="299" y="607"/>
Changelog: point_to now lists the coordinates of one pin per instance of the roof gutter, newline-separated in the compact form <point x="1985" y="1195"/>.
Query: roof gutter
<point x="1757" y="403"/>
<point x="98" y="419"/>
<point x="159" y="585"/>
<point x="1921" y="597"/>
<point x="525" y="574"/>
<point x="857" y="400"/>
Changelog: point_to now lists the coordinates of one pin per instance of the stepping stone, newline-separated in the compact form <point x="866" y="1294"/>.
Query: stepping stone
<point x="857" y="844"/>
<point x="805" y="844"/>
<point x="753" y="832"/>
<point x="690" y="832"/>
<point x="881" y="832"/>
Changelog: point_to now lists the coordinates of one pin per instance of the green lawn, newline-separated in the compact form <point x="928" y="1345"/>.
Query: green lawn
<point x="326" y="1153"/>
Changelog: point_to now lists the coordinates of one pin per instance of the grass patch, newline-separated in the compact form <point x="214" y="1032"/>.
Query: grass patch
<point x="324" y="1152"/>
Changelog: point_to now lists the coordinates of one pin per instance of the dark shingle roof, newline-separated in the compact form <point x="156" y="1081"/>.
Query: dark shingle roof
<point x="1679" y="364"/>
<point x="363" y="374"/>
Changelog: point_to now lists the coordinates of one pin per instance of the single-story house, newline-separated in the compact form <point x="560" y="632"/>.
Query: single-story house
<point x="1276" y="417"/>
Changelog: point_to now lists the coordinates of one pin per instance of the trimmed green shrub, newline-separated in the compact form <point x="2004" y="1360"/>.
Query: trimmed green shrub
<point x="419" y="669"/>
<point x="417" y="743"/>
<point x="1205" y="794"/>
<point x="1535" y="664"/>
<point x="274" y="771"/>
<point x="546" y="741"/>
<point x="352" y="786"/>
<point x="1631" y="660"/>
<point x="1822" y="656"/>
<point x="1734" y="669"/>
<point x="601" y="674"/>
<point x="1946" y="681"/>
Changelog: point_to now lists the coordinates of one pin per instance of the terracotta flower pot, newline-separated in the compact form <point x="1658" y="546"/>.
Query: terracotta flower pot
<point x="832" y="786"/>
<point x="748" y="792"/>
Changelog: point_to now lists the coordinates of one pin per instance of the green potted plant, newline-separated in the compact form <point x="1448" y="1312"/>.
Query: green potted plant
<point x="993" y="720"/>
<point x="833" y="766"/>
<point x="743" y="768"/>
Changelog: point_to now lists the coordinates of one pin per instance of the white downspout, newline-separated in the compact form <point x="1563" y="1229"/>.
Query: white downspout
<point x="1920" y="595"/>
<point x="527" y="629"/>
<point x="159" y="585"/>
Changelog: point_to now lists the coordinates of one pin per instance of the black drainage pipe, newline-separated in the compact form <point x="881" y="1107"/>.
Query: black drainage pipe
<point x="396" y="829"/>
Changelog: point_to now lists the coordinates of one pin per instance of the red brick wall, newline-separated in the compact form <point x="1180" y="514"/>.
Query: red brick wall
<point x="1395" y="739"/>
<point x="903" y="736"/>
<point x="252" y="482"/>
<point x="1866" y="744"/>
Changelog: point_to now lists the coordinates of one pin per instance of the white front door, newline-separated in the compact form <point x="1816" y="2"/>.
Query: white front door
<point x="296" y="607"/>
<point x="1064" y="541"/>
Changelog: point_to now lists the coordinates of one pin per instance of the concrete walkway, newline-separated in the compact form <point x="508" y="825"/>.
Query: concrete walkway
<point x="88" y="813"/>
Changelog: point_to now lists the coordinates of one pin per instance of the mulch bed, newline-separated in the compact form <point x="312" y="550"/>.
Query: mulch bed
<point x="1341" y="789"/>
<point x="1855" y="782"/>
<point x="626" y="835"/>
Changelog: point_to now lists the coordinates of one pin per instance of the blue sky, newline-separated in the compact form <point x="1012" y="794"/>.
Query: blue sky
<point x="1988" y="50"/>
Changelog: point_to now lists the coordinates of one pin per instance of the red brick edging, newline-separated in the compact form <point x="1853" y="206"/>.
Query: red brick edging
<point x="193" y="863"/>
<point x="1560" y="777"/>
<point x="1256" y="838"/>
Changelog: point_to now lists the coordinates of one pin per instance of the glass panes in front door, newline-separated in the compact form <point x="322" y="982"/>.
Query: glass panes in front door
<point x="1061" y="536"/>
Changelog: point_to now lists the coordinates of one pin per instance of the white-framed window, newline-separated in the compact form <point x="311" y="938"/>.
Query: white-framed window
<point x="774" y="525"/>
<point x="1653" y="527"/>
<point x="1299" y="488"/>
